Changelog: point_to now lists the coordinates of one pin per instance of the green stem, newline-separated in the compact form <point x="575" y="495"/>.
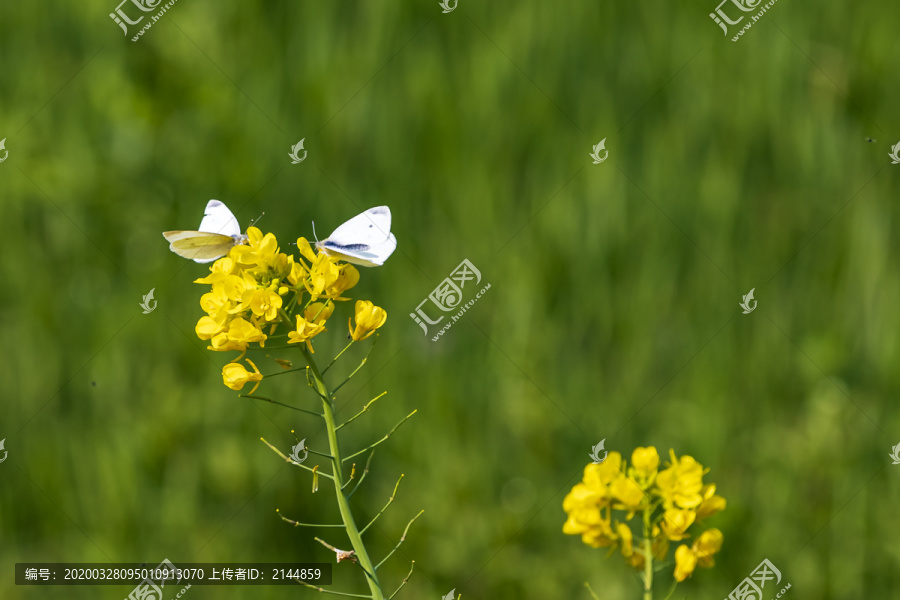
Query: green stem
<point x="672" y="591"/>
<point x="356" y="542"/>
<point x="648" y="557"/>
<point x="334" y="360"/>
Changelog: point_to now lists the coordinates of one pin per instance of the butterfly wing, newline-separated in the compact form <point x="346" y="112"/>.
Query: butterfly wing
<point x="371" y="227"/>
<point x="365" y="240"/>
<point x="199" y="246"/>
<point x="218" y="219"/>
<point x="362" y="254"/>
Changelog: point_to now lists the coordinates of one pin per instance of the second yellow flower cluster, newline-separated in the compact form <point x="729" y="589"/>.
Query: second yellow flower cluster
<point x="670" y="501"/>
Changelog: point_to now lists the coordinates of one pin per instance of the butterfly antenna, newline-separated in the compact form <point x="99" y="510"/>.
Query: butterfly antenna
<point x="314" y="232"/>
<point x="253" y="222"/>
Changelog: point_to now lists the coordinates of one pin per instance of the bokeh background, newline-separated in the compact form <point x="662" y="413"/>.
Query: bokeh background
<point x="613" y="309"/>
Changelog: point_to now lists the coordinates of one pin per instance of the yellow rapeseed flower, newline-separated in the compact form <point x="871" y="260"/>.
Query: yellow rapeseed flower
<point x="216" y="304"/>
<point x="700" y="553"/>
<point x="348" y="277"/>
<point x="586" y="502"/>
<point x="598" y="477"/>
<point x="368" y="318"/>
<point x="681" y="483"/>
<point x="240" y="333"/>
<point x="305" y="249"/>
<point x="671" y="501"/>
<point x="322" y="273"/>
<point x="645" y="462"/>
<point x="600" y="535"/>
<point x="259" y="251"/>
<point x="207" y="327"/>
<point x="311" y="323"/>
<point x="708" y="543"/>
<point x="628" y="492"/>
<point x="236" y="376"/>
<point x="711" y="502"/>
<point x="685" y="562"/>
<point x="219" y="269"/>
<point x="675" y="523"/>
<point x="265" y="303"/>
<point x="255" y="285"/>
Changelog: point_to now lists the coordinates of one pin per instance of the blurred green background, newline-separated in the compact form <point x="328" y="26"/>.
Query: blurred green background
<point x="613" y="309"/>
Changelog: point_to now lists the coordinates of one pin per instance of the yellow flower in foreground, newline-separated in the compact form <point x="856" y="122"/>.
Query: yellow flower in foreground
<point x="368" y="318"/>
<point x="265" y="303"/>
<point x="585" y="502"/>
<point x="628" y="492"/>
<point x="260" y="249"/>
<point x="676" y="522"/>
<point x="598" y="477"/>
<point x="305" y="249"/>
<point x="207" y="327"/>
<point x="600" y="535"/>
<point x="645" y="461"/>
<point x="709" y="542"/>
<point x="236" y="376"/>
<point x="681" y="483"/>
<point x="323" y="273"/>
<point x="671" y="501"/>
<point x="685" y="561"/>
<point x="240" y="333"/>
<point x="347" y="278"/>
<point x="217" y="272"/>
<point x="311" y="324"/>
<point x="711" y="503"/>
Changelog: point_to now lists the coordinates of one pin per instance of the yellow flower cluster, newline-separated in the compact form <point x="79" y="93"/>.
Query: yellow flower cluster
<point x="255" y="288"/>
<point x="670" y="501"/>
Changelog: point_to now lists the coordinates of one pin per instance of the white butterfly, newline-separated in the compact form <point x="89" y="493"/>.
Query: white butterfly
<point x="218" y="233"/>
<point x="364" y="240"/>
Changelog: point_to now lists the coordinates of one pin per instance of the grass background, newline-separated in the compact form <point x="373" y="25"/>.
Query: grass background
<point x="613" y="310"/>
